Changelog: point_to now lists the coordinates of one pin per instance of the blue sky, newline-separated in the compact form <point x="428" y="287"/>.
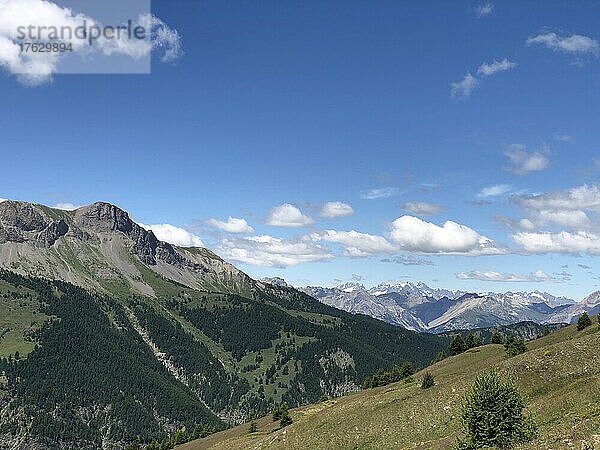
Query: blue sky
<point x="276" y="108"/>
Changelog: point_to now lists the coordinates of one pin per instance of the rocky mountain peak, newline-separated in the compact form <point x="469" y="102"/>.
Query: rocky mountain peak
<point x="102" y="216"/>
<point x="22" y="222"/>
<point x="22" y="216"/>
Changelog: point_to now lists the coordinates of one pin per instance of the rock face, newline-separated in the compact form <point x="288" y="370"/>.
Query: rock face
<point x="23" y="222"/>
<point x="590" y="304"/>
<point x="100" y="246"/>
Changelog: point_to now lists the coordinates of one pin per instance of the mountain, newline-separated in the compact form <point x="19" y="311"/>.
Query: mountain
<point x="414" y="289"/>
<point x="416" y="306"/>
<point x="356" y="300"/>
<point x="275" y="281"/>
<point x="557" y="377"/>
<point x="100" y="248"/>
<point x="590" y="304"/>
<point x="108" y="335"/>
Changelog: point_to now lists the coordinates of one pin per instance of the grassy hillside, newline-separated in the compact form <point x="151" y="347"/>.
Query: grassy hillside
<point x="559" y="377"/>
<point x="94" y="370"/>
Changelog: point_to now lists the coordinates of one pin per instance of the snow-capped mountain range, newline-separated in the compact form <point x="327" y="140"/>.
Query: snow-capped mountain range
<point x="418" y="307"/>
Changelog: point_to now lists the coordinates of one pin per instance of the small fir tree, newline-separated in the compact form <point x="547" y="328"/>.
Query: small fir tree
<point x="427" y="381"/>
<point x="584" y="321"/>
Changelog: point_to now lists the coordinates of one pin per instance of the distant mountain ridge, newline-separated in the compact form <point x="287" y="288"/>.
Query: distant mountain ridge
<point x="417" y="306"/>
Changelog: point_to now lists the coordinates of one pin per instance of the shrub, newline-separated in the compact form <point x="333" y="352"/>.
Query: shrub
<point x="493" y="414"/>
<point x="253" y="427"/>
<point x="497" y="337"/>
<point x="286" y="420"/>
<point x="427" y="381"/>
<point x="584" y="321"/>
<point x="383" y="377"/>
<point x="514" y="346"/>
<point x="545" y="331"/>
<point x="280" y="411"/>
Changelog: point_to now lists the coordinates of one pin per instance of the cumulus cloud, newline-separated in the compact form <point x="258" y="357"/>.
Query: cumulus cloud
<point x="485" y="9"/>
<point x="66" y="206"/>
<point x="423" y="208"/>
<point x="174" y="235"/>
<point x="35" y="68"/>
<point x="565" y="208"/>
<point x="336" y="209"/>
<point x="523" y="162"/>
<point x="374" y="194"/>
<point x="561" y="242"/>
<point x="495" y="67"/>
<point x="413" y="234"/>
<point x="408" y="261"/>
<point x="232" y="225"/>
<point x="570" y="219"/>
<point x="577" y="198"/>
<point x="356" y="244"/>
<point x="533" y="277"/>
<point x="3" y="200"/>
<point x="288" y="216"/>
<point x="464" y="87"/>
<point x="574" y="44"/>
<point x="495" y="190"/>
<point x="269" y="251"/>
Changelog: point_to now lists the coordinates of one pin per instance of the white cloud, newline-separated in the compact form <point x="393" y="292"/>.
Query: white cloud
<point x="574" y="219"/>
<point x="485" y="9"/>
<point x="578" y="198"/>
<point x="523" y="162"/>
<point x="526" y="224"/>
<point x="174" y="235"/>
<point x="569" y="208"/>
<point x="464" y="87"/>
<point x="336" y="209"/>
<point x="533" y="277"/>
<point x="563" y="138"/>
<point x="37" y="68"/>
<point x="356" y="244"/>
<point x="3" y="200"/>
<point x="574" y="44"/>
<point x="289" y="216"/>
<point x="516" y="224"/>
<point x="495" y="67"/>
<point x="562" y="242"/>
<point x="495" y="190"/>
<point x="66" y="206"/>
<point x="374" y="194"/>
<point x="268" y="251"/>
<point x="414" y="234"/>
<point x="408" y="261"/>
<point x="232" y="225"/>
<point x="423" y="208"/>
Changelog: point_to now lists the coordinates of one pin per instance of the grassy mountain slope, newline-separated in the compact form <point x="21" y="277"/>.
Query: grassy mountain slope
<point x="559" y="376"/>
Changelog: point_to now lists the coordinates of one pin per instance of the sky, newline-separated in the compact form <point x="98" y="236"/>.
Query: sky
<point x="453" y="143"/>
